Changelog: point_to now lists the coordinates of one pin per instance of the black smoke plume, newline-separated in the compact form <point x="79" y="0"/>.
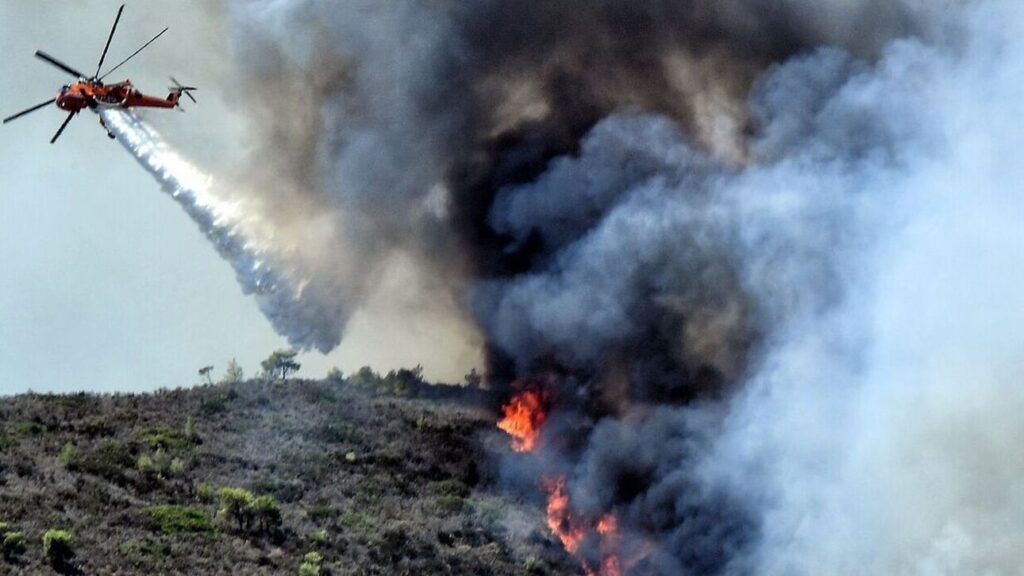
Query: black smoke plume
<point x="680" y="215"/>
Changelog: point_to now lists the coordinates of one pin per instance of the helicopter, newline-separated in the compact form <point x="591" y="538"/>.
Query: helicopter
<point x="91" y="92"/>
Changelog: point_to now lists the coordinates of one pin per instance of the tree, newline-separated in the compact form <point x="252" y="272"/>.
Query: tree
<point x="234" y="374"/>
<point x="236" y="506"/>
<point x="473" y="380"/>
<point x="280" y="364"/>
<point x="204" y="372"/>
<point x="267" y="513"/>
<point x="336" y="376"/>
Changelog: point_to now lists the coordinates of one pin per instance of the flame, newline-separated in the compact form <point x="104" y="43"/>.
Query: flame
<point x="560" y="517"/>
<point x="524" y="415"/>
<point x="571" y="529"/>
<point x="608" y="525"/>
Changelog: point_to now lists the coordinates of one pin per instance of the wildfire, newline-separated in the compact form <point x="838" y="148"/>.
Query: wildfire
<point x="560" y="518"/>
<point x="524" y="415"/>
<point x="572" y="529"/>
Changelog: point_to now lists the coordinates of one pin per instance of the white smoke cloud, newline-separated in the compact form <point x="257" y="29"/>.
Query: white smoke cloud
<point x="882" y="436"/>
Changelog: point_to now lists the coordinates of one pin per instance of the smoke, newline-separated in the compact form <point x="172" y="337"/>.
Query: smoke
<point x="763" y="256"/>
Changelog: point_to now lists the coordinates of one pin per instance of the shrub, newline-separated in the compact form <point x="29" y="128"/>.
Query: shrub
<point x="13" y="544"/>
<point x="204" y="493"/>
<point x="318" y="537"/>
<point x="533" y="565"/>
<point x="177" y="467"/>
<point x="190" y="432"/>
<point x="58" y="547"/>
<point x="68" y="454"/>
<point x="176" y="519"/>
<point x="449" y="487"/>
<point x="144" y="464"/>
<point x="109" y="459"/>
<point x="145" y="553"/>
<point x="166" y="438"/>
<point x="311" y="564"/>
<point x="215" y="404"/>
<point x="336" y="376"/>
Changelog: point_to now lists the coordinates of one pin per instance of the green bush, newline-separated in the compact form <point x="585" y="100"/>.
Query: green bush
<point x="311" y="564"/>
<point x="144" y="464"/>
<point x="318" y="537"/>
<point x="205" y="493"/>
<point x="13" y="544"/>
<point x="176" y="519"/>
<point x="58" y="547"/>
<point x="166" y="438"/>
<point x="68" y="455"/>
<point x="177" y="467"/>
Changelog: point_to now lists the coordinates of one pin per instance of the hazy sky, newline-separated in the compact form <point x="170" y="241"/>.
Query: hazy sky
<point x="106" y="283"/>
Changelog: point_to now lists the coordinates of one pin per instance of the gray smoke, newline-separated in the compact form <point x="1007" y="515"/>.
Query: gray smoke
<point x="765" y="255"/>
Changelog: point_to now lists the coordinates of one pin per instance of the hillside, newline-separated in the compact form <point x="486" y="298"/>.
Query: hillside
<point x="375" y="480"/>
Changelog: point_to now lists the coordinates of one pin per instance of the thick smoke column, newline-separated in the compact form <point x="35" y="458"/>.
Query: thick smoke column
<point x="287" y="299"/>
<point x="760" y="260"/>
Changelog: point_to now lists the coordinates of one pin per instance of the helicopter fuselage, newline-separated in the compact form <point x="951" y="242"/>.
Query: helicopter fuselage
<point x="85" y="94"/>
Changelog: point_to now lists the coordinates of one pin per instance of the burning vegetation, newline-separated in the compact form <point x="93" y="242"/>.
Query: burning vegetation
<point x="524" y="417"/>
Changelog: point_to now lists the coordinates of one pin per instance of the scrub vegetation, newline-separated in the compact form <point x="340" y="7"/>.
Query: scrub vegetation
<point x="361" y="475"/>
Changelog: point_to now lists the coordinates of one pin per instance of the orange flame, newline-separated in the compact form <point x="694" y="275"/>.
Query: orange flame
<point x="608" y="525"/>
<point x="524" y="416"/>
<point x="560" y="518"/>
<point x="572" y="529"/>
<point x="525" y="413"/>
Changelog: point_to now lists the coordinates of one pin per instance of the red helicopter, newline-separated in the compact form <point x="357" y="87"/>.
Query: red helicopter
<point x="90" y="91"/>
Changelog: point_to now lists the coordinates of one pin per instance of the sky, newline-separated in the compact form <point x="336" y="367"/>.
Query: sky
<point x="106" y="284"/>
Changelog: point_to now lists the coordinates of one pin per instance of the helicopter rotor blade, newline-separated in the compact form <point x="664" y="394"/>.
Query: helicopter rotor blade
<point x="186" y="90"/>
<point x="109" y="38"/>
<point x="63" y="126"/>
<point x="123" y="62"/>
<point x="44" y="56"/>
<point x="29" y="110"/>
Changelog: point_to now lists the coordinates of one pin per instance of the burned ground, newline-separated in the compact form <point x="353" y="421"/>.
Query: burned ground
<point x="376" y="482"/>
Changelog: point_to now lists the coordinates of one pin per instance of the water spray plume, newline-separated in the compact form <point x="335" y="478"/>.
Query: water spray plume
<point x="235" y="230"/>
